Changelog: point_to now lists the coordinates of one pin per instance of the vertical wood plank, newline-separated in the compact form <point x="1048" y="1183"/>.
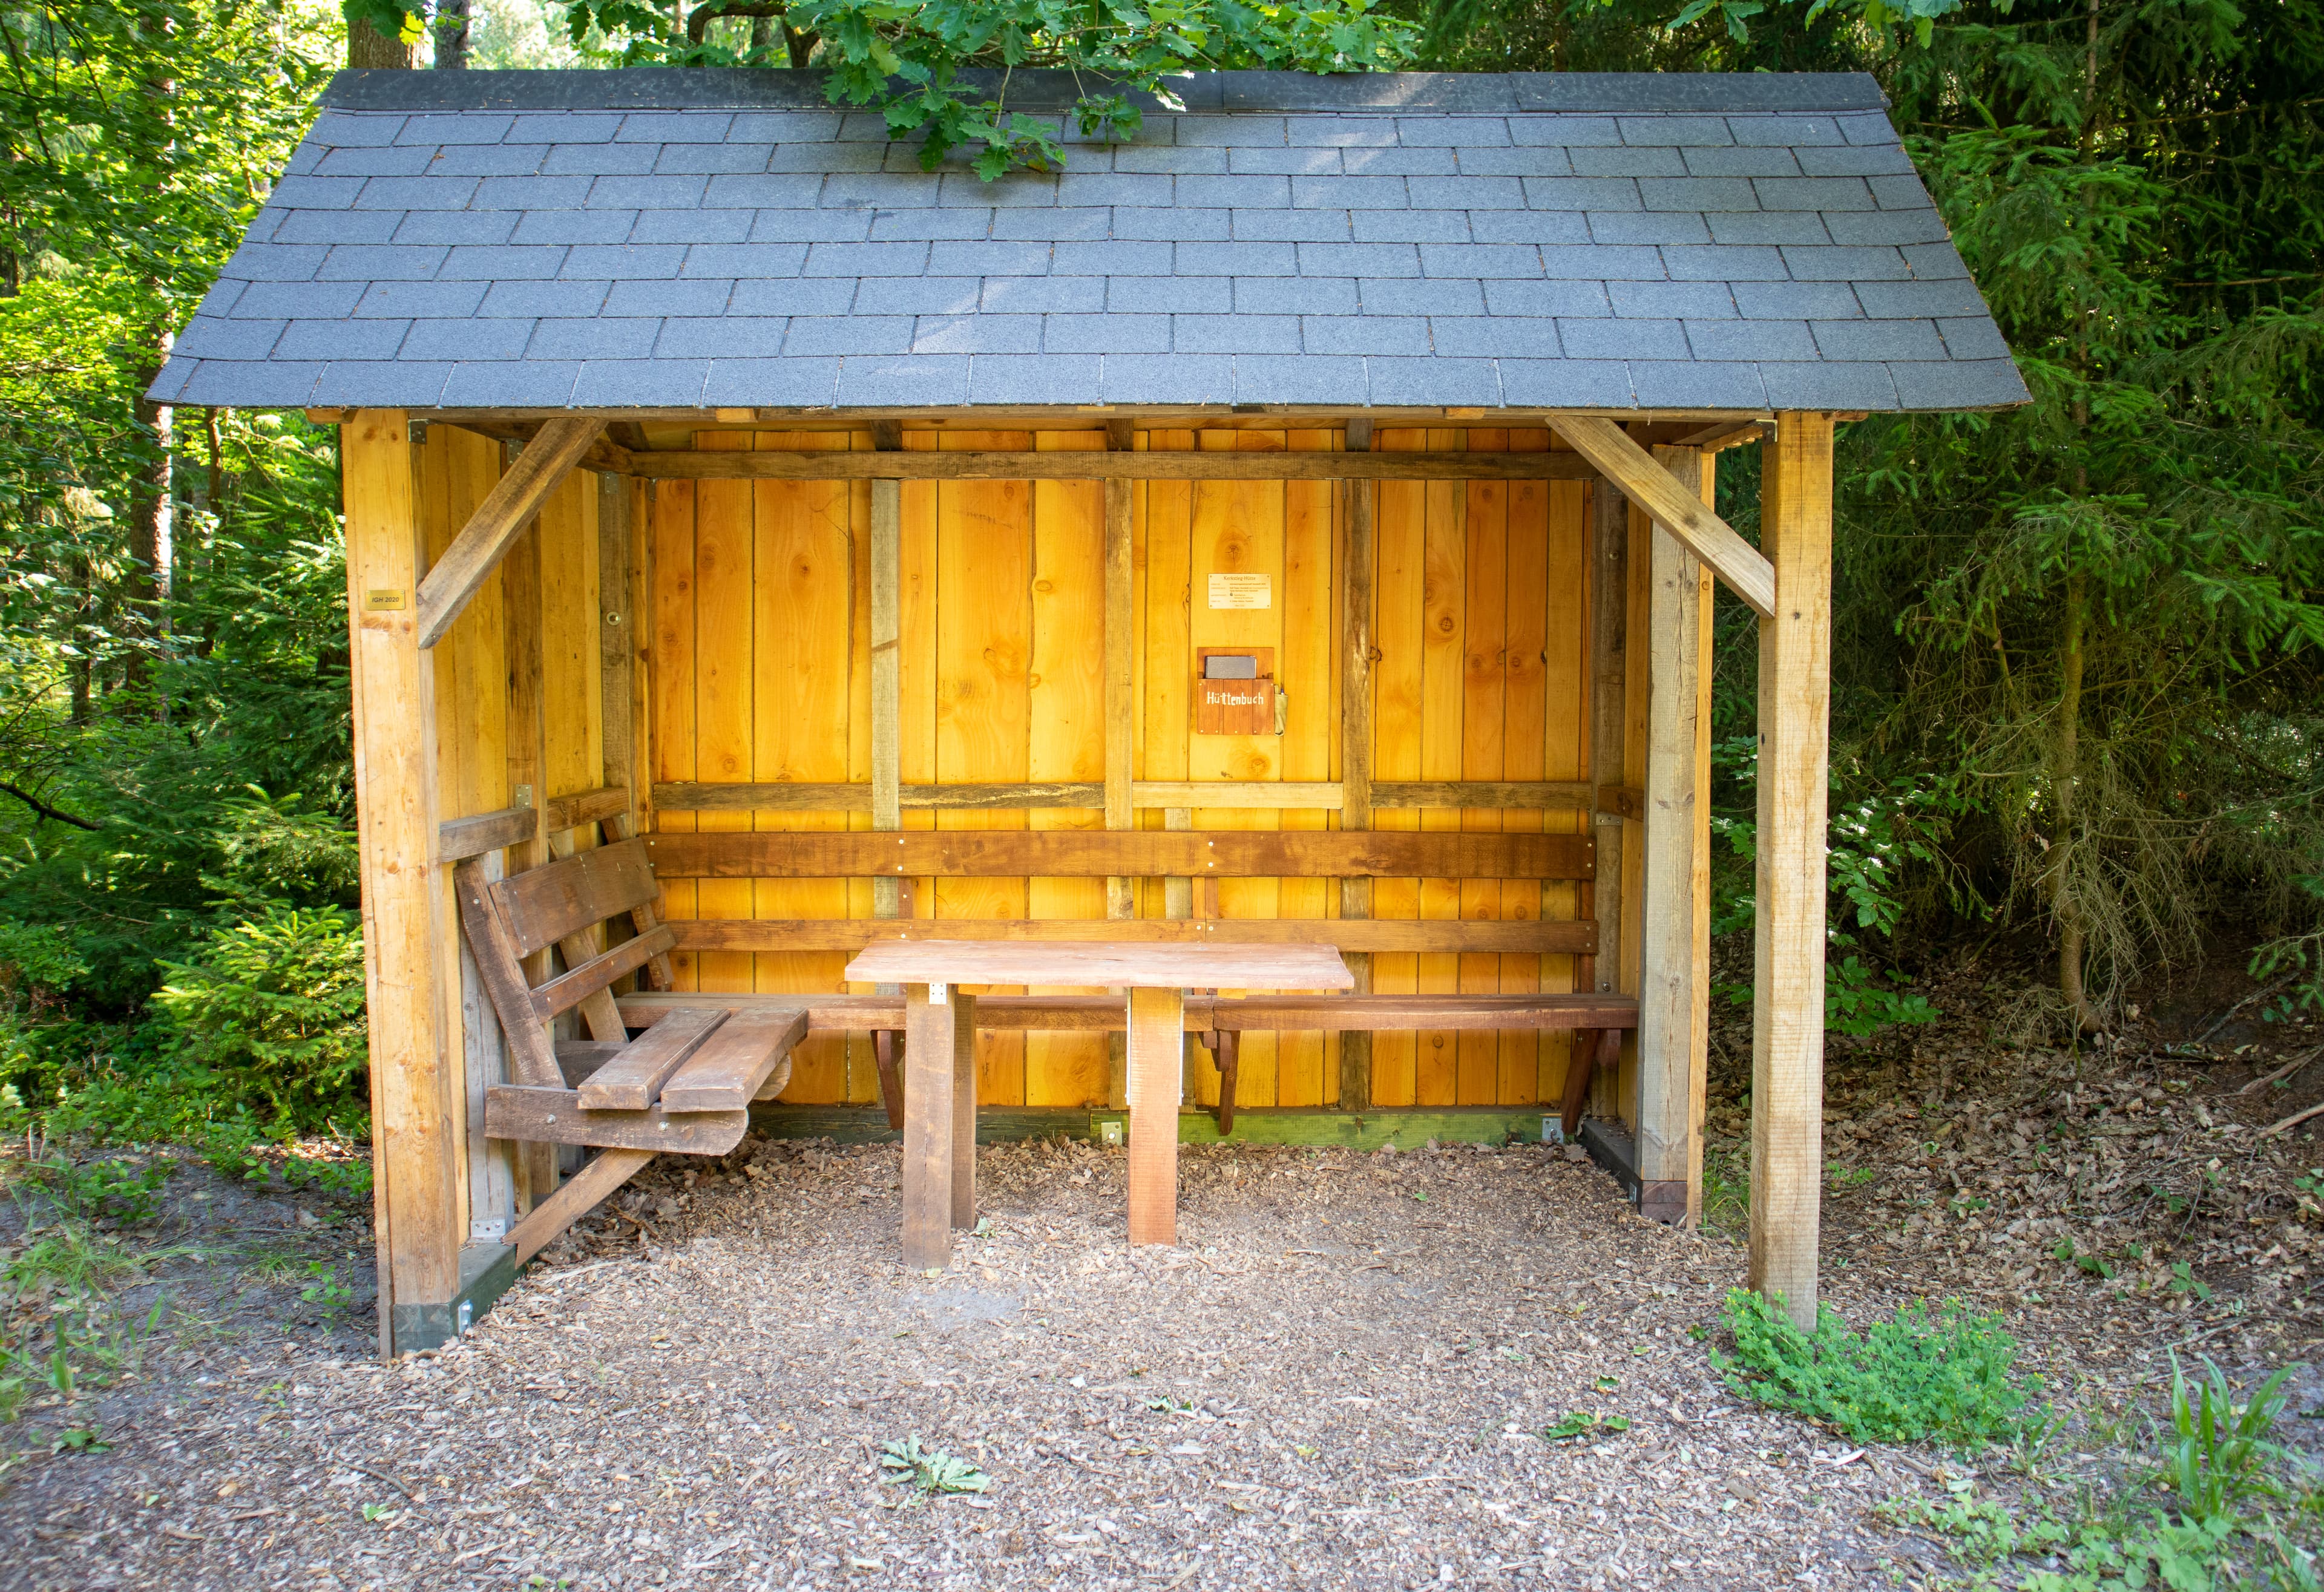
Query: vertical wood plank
<point x="1305" y="664"/>
<point x="527" y="774"/>
<point x="1564" y="708"/>
<point x="887" y="688"/>
<point x="1484" y="734"/>
<point x="801" y="662"/>
<point x="1699" y="1038"/>
<point x="983" y="595"/>
<point x="1788" y="921"/>
<point x="1399" y="545"/>
<point x="1120" y="701"/>
<point x="414" y="1152"/>
<point x="616" y="627"/>
<point x="670" y="511"/>
<point x="723" y="681"/>
<point x="930" y="1036"/>
<point x="1356" y="583"/>
<point x="1155" y="1039"/>
<point x="1443" y="619"/>
<point x="1067" y="731"/>
<point x="1675" y="829"/>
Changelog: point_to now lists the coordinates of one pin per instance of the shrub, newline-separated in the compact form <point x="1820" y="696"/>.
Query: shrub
<point x="1944" y="1375"/>
<point x="276" y="1006"/>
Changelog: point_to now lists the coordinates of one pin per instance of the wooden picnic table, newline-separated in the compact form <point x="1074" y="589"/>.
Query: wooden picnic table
<point x="940" y="1055"/>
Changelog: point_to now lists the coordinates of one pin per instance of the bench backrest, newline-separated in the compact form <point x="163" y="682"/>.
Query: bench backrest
<point x="1125" y="853"/>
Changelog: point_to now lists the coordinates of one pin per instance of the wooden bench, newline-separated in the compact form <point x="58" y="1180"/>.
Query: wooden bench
<point x="1198" y="857"/>
<point x="685" y="1086"/>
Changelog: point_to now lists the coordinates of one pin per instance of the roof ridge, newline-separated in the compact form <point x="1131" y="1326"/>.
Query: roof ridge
<point x="1404" y="93"/>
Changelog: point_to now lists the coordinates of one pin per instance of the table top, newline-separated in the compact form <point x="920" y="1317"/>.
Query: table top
<point x="1110" y="963"/>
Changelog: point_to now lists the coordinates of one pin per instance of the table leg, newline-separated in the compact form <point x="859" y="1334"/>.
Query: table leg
<point x="1155" y="1043"/>
<point x="964" y="1109"/>
<point x="929" y="1042"/>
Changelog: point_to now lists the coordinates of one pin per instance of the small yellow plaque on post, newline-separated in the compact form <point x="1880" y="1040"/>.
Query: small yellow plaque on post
<point x="382" y="599"/>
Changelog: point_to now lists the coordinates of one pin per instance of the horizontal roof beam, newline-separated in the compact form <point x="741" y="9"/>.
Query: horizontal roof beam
<point x="934" y="465"/>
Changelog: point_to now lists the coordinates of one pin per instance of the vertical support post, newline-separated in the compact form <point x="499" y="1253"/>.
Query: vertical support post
<point x="1676" y="834"/>
<point x="887" y="721"/>
<point x="1356" y="755"/>
<point x="1155" y="1043"/>
<point x="929" y="1039"/>
<point x="527" y="763"/>
<point x="1787" y="969"/>
<point x="1121" y="718"/>
<point x="414" y="1156"/>
<point x="1610" y="628"/>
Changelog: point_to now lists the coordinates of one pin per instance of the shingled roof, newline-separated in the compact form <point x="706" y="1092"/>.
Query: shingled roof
<point x="662" y="239"/>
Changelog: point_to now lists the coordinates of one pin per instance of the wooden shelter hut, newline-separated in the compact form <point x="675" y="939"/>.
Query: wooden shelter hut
<point x="1291" y="528"/>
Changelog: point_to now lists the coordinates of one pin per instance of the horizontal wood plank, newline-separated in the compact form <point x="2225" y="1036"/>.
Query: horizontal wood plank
<point x="1122" y="963"/>
<point x="1063" y="1014"/>
<point x="588" y="806"/>
<point x="1134" y="853"/>
<point x="1323" y="796"/>
<point x="726" y="1073"/>
<point x="567" y="991"/>
<point x="458" y="839"/>
<point x="1375" y="1013"/>
<point x="1075" y="465"/>
<point x="556" y="1117"/>
<point x="633" y="1080"/>
<point x="1523" y="938"/>
<point x="544" y="905"/>
<point x="795" y="797"/>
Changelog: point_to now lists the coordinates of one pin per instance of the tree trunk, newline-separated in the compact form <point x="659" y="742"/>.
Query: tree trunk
<point x="451" y="36"/>
<point x="368" y="47"/>
<point x="2065" y="770"/>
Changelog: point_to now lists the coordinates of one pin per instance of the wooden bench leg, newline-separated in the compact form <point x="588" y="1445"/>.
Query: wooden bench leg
<point x="1156" y="1048"/>
<point x="884" y="1045"/>
<point x="1226" y="1045"/>
<point x="963" y="1110"/>
<point x="1602" y="1049"/>
<point x="929" y="1032"/>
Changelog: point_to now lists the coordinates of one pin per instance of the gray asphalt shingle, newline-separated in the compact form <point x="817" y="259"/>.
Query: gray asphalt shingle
<point x="636" y="239"/>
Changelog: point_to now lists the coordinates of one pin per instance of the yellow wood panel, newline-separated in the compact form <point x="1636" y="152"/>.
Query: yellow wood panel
<point x="1485" y="645"/>
<point x="1166" y="655"/>
<point x="722" y="700"/>
<point x="572" y="686"/>
<point x="670" y="667"/>
<point x="1305" y="1062"/>
<point x="801" y="662"/>
<point x="984" y="643"/>
<point x="1065" y="694"/>
<point x="1565" y="744"/>
<point x="1443" y="668"/>
<point x="1400" y="555"/>
<point x="863" y="1077"/>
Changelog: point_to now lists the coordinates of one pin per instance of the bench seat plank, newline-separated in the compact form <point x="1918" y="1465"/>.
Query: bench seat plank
<point x="1377" y="1013"/>
<point x="633" y="1080"/>
<point x="734" y="1063"/>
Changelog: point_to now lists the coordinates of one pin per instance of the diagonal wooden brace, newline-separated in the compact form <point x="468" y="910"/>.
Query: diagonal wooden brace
<point x="513" y="501"/>
<point x="1668" y="502"/>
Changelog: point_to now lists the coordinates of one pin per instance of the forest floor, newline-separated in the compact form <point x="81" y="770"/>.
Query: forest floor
<point x="1355" y="1370"/>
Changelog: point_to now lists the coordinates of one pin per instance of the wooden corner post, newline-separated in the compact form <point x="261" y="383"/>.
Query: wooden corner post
<point x="1674" y="989"/>
<point x="1787" y="976"/>
<point x="415" y="1154"/>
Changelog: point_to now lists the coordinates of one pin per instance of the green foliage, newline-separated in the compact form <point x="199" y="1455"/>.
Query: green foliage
<point x="909" y="57"/>
<point x="1945" y="1377"/>
<point x="325" y="1291"/>
<point x="905" y="1460"/>
<point x="101" y="1190"/>
<point x="2218" y="1453"/>
<point x="274" y="1005"/>
<point x="1579" y="1425"/>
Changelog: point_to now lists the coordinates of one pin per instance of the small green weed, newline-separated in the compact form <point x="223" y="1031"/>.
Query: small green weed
<point x="1579" y="1424"/>
<point x="94" y="1191"/>
<point x="907" y="1461"/>
<point x="2217" y="1452"/>
<point x="1944" y="1375"/>
<point x="326" y="1292"/>
<point x="79" y="1440"/>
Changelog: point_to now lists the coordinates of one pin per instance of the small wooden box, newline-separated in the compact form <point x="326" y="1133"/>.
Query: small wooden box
<point x="1235" y="707"/>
